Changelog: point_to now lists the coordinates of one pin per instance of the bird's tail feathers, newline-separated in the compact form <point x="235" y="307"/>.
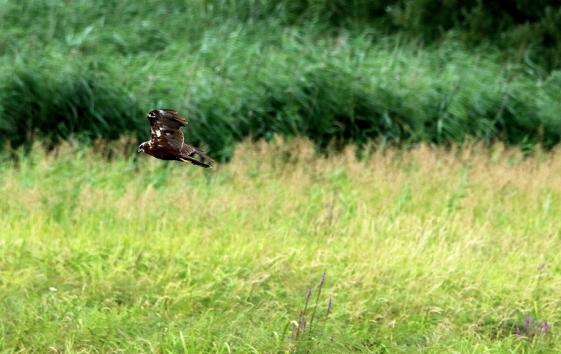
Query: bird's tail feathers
<point x="194" y="161"/>
<point x="204" y="160"/>
<point x="205" y="157"/>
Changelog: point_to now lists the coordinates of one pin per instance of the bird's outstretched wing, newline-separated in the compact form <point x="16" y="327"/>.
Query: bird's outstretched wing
<point x="165" y="128"/>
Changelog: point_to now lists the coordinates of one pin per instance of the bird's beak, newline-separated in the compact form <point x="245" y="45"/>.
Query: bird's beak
<point x="139" y="150"/>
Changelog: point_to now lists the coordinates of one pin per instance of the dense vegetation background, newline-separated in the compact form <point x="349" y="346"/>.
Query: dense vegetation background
<point x="332" y="70"/>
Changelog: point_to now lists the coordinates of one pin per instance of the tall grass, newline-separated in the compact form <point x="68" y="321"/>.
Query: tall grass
<point x="49" y="107"/>
<point x="425" y="250"/>
<point x="238" y="71"/>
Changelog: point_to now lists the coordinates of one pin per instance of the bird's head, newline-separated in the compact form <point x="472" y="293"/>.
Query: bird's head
<point x="152" y="114"/>
<point x="142" y="147"/>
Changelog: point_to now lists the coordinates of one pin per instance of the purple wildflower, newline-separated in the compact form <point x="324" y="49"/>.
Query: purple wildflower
<point x="528" y="323"/>
<point x="322" y="279"/>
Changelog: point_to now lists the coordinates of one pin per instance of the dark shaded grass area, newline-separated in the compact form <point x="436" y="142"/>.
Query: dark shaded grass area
<point x="39" y="105"/>
<point x="325" y="104"/>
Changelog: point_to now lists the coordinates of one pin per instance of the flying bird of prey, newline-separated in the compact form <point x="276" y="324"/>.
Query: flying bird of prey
<point x="166" y="140"/>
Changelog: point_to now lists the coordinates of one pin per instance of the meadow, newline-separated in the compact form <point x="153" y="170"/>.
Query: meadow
<point x="389" y="176"/>
<point x="424" y="250"/>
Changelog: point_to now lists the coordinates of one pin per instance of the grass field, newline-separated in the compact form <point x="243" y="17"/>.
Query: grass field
<point x="424" y="250"/>
<point x="409" y="249"/>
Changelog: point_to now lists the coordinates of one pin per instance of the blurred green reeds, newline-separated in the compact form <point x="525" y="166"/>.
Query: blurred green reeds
<point x="332" y="71"/>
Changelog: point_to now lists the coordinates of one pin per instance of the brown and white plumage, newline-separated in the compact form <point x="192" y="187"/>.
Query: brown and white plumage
<point x="167" y="141"/>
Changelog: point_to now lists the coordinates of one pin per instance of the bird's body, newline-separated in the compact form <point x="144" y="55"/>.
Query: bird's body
<point x="166" y="141"/>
